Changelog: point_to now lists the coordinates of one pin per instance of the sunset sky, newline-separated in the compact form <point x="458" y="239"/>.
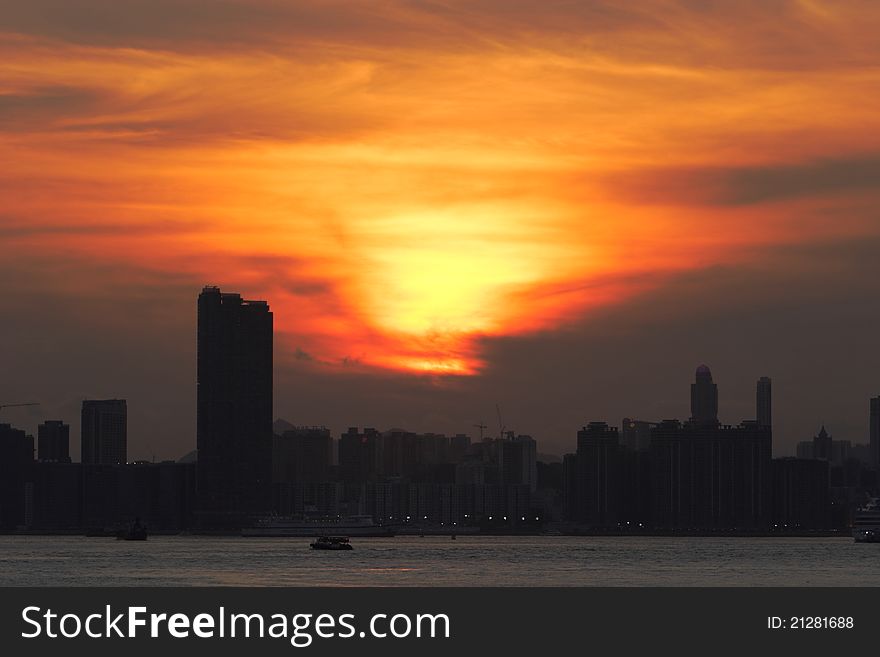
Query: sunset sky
<point x="559" y="207"/>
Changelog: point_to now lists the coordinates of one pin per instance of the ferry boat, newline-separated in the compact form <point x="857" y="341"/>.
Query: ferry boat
<point x="866" y="523"/>
<point x="316" y="527"/>
<point x="331" y="543"/>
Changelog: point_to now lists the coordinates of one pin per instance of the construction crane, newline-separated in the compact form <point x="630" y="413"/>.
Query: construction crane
<point x="2" y="406"/>
<point x="501" y="426"/>
<point x="481" y="427"/>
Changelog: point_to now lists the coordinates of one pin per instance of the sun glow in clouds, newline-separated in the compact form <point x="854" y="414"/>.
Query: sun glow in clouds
<point x="404" y="185"/>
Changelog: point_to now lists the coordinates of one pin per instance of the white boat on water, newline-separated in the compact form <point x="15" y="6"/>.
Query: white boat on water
<point x="331" y="543"/>
<point x="277" y="527"/>
<point x="866" y="522"/>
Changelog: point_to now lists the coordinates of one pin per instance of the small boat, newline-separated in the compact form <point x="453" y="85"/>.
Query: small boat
<point x="332" y="543"/>
<point x="867" y="536"/>
<point x="134" y="532"/>
<point x="866" y="524"/>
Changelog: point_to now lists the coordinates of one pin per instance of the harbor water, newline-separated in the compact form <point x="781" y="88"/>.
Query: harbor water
<point x="439" y="561"/>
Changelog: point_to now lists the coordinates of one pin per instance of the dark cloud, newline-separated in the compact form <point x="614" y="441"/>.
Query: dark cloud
<point x="778" y="34"/>
<point x="300" y="354"/>
<point x="201" y="24"/>
<point x="826" y="176"/>
<point x="164" y="119"/>
<point x="303" y="288"/>
<point x="738" y="186"/>
<point x="35" y="107"/>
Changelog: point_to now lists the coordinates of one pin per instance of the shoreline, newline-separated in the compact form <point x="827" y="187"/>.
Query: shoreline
<point x="430" y="534"/>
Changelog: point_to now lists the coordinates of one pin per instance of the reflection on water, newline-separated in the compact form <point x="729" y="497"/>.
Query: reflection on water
<point x="438" y="561"/>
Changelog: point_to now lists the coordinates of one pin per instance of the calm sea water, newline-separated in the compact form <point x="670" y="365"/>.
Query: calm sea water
<point x="439" y="561"/>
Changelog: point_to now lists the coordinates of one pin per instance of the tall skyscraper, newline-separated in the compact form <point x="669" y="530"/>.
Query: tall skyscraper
<point x="234" y="407"/>
<point x="53" y="442"/>
<point x="704" y="398"/>
<point x="764" y="402"/>
<point x="875" y="431"/>
<point x="104" y="432"/>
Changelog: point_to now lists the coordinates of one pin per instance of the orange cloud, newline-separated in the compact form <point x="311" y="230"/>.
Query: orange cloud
<point x="399" y="199"/>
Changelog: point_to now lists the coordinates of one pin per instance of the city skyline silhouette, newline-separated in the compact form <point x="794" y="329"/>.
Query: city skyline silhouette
<point x="691" y="475"/>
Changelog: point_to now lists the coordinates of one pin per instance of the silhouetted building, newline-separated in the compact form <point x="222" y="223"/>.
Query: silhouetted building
<point x="801" y="495"/>
<point x="851" y="480"/>
<point x="433" y="450"/>
<point x="401" y="453"/>
<point x="302" y="455"/>
<point x="570" y="501"/>
<point x="311" y="499"/>
<point x="57" y="495"/>
<point x="104" y="434"/>
<point x="874" y="433"/>
<point x="711" y="477"/>
<point x="823" y="445"/>
<point x="53" y="442"/>
<point x="470" y="472"/>
<point x="100" y="497"/>
<point x="162" y="495"/>
<point x="16" y="459"/>
<point x="840" y="452"/>
<point x="704" y="398"/>
<point x="361" y="455"/>
<point x="764" y="402"/>
<point x="861" y="453"/>
<point x="419" y="457"/>
<point x="234" y="407"/>
<point x="634" y="509"/>
<point x="519" y="461"/>
<point x="458" y="447"/>
<point x="548" y="499"/>
<point x="489" y="452"/>
<point x="636" y="434"/>
<point x="594" y="499"/>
